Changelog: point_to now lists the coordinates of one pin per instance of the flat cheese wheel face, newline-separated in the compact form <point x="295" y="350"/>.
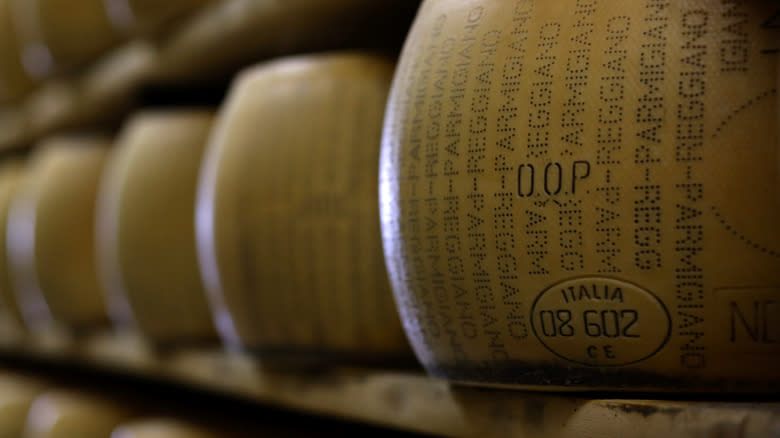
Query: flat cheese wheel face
<point x="50" y="234"/>
<point x="65" y="414"/>
<point x="17" y="393"/>
<point x="10" y="175"/>
<point x="160" y="428"/>
<point x="14" y="81"/>
<point x="287" y="224"/>
<point x="60" y="35"/>
<point x="146" y="229"/>
<point x="584" y="194"/>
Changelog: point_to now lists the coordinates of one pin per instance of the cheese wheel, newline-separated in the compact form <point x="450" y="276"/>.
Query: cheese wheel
<point x="10" y="175"/>
<point x="160" y="428"/>
<point x="16" y="395"/>
<point x="52" y="107"/>
<point x="146" y="230"/>
<point x="14" y="127"/>
<point x="14" y="81"/>
<point x="206" y="47"/>
<point x="148" y="15"/>
<point x="583" y="194"/>
<point x="61" y="35"/>
<point x="50" y="235"/>
<point x="287" y="225"/>
<point x="67" y="414"/>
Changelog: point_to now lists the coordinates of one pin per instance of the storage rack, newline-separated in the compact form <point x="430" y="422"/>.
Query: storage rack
<point x="401" y="399"/>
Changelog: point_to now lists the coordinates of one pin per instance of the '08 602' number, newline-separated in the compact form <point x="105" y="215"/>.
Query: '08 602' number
<point x="594" y="323"/>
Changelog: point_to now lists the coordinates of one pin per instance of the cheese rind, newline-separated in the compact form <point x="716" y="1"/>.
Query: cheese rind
<point x="56" y="36"/>
<point x="67" y="414"/>
<point x="288" y="238"/>
<point x="50" y="235"/>
<point x="583" y="195"/>
<point x="160" y="428"/>
<point x="148" y="15"/>
<point x="10" y="175"/>
<point x="14" y="81"/>
<point x="17" y="394"/>
<point x="146" y="231"/>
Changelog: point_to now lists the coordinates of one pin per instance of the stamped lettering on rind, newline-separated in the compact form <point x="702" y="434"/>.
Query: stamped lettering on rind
<point x="602" y="322"/>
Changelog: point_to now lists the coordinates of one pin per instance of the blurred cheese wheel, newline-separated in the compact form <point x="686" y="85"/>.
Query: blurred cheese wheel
<point x="10" y="175"/>
<point x="146" y="15"/>
<point x="14" y="127"/>
<point x="16" y="395"/>
<point x="146" y="230"/>
<point x="14" y="81"/>
<point x="50" y="234"/>
<point x="160" y="428"/>
<point x="57" y="34"/>
<point x="206" y="47"/>
<point x="584" y="195"/>
<point x="287" y="223"/>
<point x="66" y="414"/>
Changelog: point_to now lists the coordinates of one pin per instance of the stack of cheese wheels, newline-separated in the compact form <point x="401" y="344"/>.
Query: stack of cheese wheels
<point x="10" y="175"/>
<point x="206" y="47"/>
<point x="14" y="80"/>
<point x="17" y="393"/>
<point x="146" y="230"/>
<point x="69" y="414"/>
<point x="50" y="234"/>
<point x="287" y="223"/>
<point x="160" y="428"/>
<point x="148" y="15"/>
<point x="584" y="195"/>
<point x="61" y="35"/>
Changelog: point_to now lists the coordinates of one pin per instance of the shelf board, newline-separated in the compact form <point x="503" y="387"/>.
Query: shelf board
<point x="408" y="400"/>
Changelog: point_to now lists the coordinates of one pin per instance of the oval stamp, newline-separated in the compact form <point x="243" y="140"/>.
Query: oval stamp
<point x="598" y="321"/>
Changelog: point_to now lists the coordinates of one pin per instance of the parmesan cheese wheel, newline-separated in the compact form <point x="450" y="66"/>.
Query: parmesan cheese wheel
<point x="160" y="428"/>
<point x="146" y="230"/>
<point x="61" y="35"/>
<point x="14" y="127"/>
<point x="148" y="15"/>
<point x="14" y="81"/>
<point x="233" y="33"/>
<point x="50" y="235"/>
<point x="583" y="194"/>
<point x="287" y="224"/>
<point x="16" y="395"/>
<point x="67" y="414"/>
<point x="10" y="175"/>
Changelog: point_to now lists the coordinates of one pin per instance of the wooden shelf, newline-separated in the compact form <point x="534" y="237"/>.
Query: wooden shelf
<point x="409" y="400"/>
<point x="405" y="400"/>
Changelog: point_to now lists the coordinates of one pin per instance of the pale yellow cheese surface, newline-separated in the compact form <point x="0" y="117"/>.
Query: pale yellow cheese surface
<point x="50" y="234"/>
<point x="16" y="395"/>
<point x="150" y="14"/>
<point x="584" y="193"/>
<point x="159" y="428"/>
<point x="70" y="414"/>
<point x="287" y="222"/>
<point x="10" y="175"/>
<point x="14" y="81"/>
<point x="146" y="229"/>
<point x="61" y="35"/>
